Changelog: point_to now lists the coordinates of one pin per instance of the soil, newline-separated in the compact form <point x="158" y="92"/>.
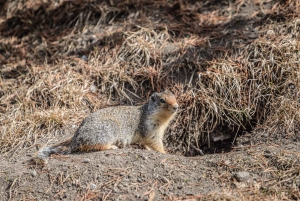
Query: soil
<point x="137" y="174"/>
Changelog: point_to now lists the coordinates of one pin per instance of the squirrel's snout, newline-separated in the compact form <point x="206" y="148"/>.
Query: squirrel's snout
<point x="175" y="107"/>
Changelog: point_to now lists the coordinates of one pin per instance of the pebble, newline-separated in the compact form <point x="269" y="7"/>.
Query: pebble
<point x="227" y="162"/>
<point x="93" y="88"/>
<point x="144" y="157"/>
<point x="33" y="173"/>
<point x="239" y="185"/>
<point x="86" y="160"/>
<point x="84" y="58"/>
<point x="93" y="186"/>
<point x="242" y="176"/>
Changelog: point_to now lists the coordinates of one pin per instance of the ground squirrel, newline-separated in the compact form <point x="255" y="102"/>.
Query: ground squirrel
<point x="112" y="127"/>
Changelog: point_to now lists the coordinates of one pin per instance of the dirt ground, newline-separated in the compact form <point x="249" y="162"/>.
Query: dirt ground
<point x="137" y="174"/>
<point x="254" y="165"/>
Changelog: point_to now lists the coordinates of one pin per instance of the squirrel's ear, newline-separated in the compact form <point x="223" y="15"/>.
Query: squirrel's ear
<point x="153" y="96"/>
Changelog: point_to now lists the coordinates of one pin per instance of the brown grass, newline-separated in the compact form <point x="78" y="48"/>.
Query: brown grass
<point x="58" y="66"/>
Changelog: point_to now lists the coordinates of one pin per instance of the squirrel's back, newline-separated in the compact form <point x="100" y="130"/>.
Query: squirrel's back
<point x="113" y="125"/>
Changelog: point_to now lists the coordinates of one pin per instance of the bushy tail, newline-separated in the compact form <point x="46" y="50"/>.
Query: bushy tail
<point x="41" y="157"/>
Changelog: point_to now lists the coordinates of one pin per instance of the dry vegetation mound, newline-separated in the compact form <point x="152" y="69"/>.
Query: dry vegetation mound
<point x="234" y="66"/>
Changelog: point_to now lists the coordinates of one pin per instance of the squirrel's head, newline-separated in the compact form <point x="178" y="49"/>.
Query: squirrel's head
<point x="165" y="101"/>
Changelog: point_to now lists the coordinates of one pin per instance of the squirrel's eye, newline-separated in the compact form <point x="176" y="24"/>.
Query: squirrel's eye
<point x="162" y="100"/>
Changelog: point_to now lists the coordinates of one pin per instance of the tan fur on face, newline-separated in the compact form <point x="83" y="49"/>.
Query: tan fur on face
<point x="171" y="100"/>
<point x="167" y="112"/>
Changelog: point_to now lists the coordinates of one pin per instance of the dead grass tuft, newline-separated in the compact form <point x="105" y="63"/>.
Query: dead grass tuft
<point x="274" y="72"/>
<point x="58" y="66"/>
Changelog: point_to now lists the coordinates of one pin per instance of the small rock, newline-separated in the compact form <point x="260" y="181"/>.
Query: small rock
<point x="144" y="157"/>
<point x="139" y="180"/>
<point x="122" y="173"/>
<point x="227" y="162"/>
<point x="84" y="58"/>
<point x="179" y="187"/>
<point x="86" y="160"/>
<point x="93" y="186"/>
<point x="242" y="176"/>
<point x="93" y="88"/>
<point x="239" y="185"/>
<point x="33" y="173"/>
<point x="267" y="154"/>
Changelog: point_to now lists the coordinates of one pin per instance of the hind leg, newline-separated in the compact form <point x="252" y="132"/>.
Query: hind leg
<point x="111" y="147"/>
<point x="99" y="147"/>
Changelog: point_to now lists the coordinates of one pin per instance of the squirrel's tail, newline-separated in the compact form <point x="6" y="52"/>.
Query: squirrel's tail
<point x="41" y="157"/>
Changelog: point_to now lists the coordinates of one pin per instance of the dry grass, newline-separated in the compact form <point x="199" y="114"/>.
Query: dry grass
<point x="59" y="66"/>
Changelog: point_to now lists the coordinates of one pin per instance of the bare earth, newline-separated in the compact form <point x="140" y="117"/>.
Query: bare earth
<point x="136" y="174"/>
